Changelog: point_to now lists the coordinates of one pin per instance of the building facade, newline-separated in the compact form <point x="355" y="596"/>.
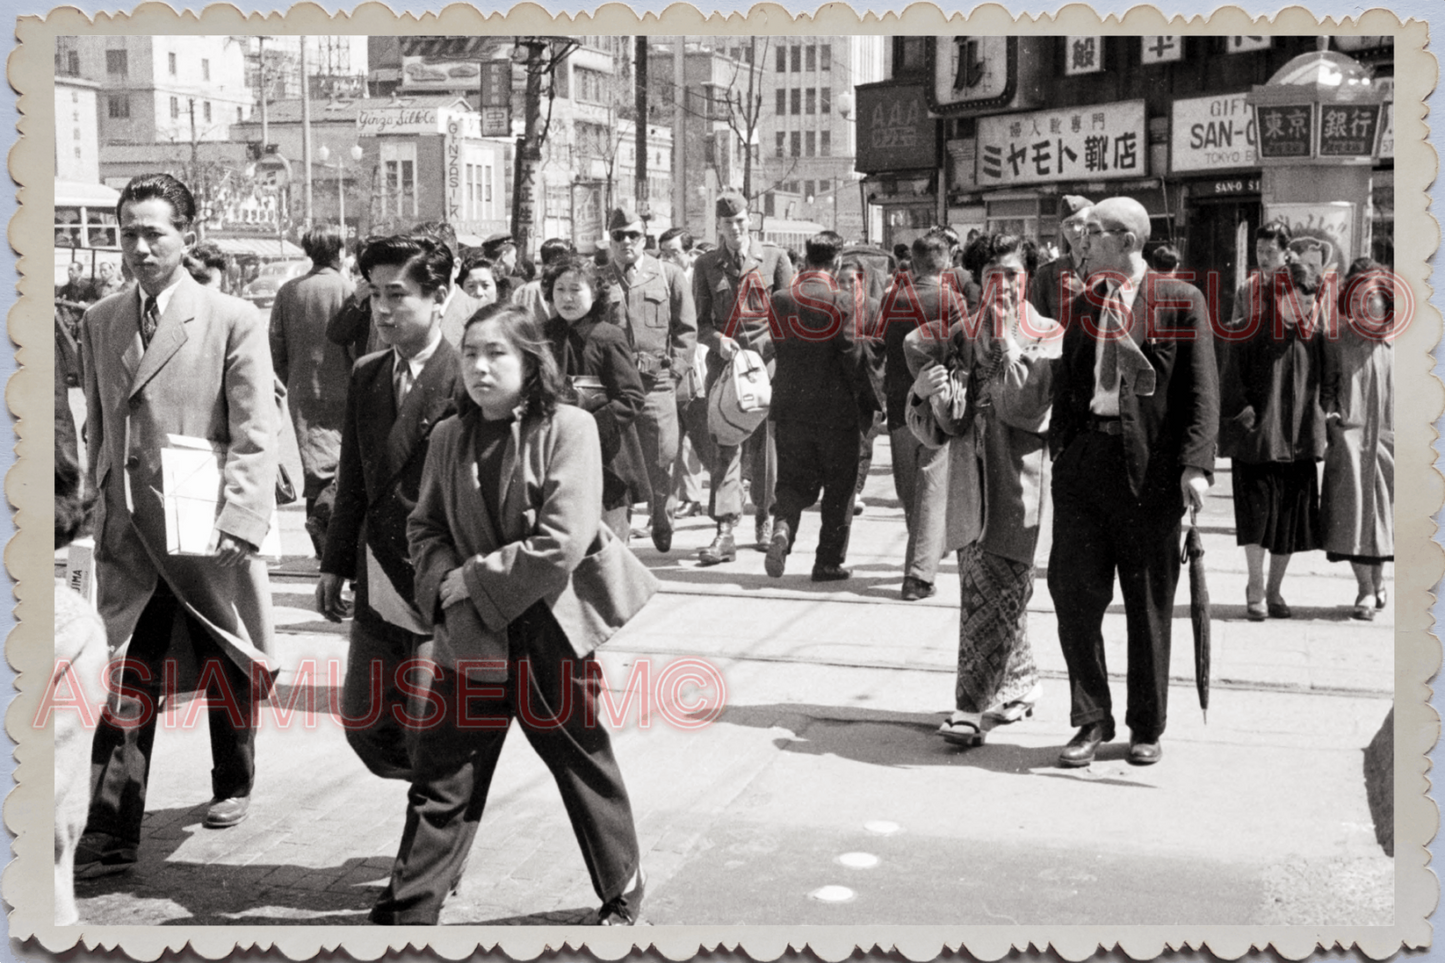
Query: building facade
<point x="988" y="133"/>
<point x="77" y="130"/>
<point x="162" y="89"/>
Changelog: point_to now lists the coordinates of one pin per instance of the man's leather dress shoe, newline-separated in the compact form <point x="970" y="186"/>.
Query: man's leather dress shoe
<point x="1080" y="750"/>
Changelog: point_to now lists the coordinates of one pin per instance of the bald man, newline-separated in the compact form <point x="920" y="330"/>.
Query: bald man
<point x="1136" y="411"/>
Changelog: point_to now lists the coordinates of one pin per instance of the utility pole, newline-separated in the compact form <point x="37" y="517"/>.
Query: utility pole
<point x="640" y="76"/>
<point x="529" y="151"/>
<point x="265" y="94"/>
<point x="305" y="136"/>
<point x="195" y="179"/>
<point x="679" y="132"/>
<point x="750" y="121"/>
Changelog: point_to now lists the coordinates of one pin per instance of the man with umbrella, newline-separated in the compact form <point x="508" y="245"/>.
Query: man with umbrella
<point x="1135" y="416"/>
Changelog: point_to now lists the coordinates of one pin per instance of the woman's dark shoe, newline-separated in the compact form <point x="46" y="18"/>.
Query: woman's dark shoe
<point x="915" y="589"/>
<point x="1256" y="611"/>
<point x="1080" y="750"/>
<point x="624" y="910"/>
<point x="1278" y="610"/>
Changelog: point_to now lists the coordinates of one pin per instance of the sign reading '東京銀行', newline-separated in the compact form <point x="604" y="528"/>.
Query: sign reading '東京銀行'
<point x="1094" y="143"/>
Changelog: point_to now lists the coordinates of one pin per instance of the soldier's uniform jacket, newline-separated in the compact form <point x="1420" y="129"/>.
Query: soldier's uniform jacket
<point x="717" y="277"/>
<point x="656" y="310"/>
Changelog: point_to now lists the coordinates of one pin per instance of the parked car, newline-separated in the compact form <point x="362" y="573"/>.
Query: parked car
<point x="263" y="287"/>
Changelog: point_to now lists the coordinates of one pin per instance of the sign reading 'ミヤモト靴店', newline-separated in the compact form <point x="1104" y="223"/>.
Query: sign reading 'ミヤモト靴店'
<point x="1076" y="143"/>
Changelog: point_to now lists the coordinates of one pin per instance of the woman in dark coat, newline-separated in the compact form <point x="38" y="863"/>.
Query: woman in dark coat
<point x="521" y="581"/>
<point x="596" y="361"/>
<point x="1357" y="393"/>
<point x="1273" y="428"/>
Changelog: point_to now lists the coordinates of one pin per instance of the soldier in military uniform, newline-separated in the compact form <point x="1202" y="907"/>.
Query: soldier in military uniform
<point x="653" y="305"/>
<point x="742" y="273"/>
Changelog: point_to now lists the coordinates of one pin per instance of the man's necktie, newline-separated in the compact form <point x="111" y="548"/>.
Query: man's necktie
<point x="1111" y="327"/>
<point x="149" y="319"/>
<point x="403" y="382"/>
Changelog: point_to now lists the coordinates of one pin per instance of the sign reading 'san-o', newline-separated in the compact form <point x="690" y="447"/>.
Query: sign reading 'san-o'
<point x="1212" y="133"/>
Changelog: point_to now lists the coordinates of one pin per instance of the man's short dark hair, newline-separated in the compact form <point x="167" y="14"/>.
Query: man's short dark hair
<point x="678" y="232"/>
<point x="823" y="249"/>
<point x="930" y="253"/>
<point x="323" y="244"/>
<point x="427" y="260"/>
<point x="1275" y="231"/>
<point x="1165" y="258"/>
<point x="554" y="249"/>
<point x="145" y="187"/>
<point x="476" y="259"/>
<point x="442" y="231"/>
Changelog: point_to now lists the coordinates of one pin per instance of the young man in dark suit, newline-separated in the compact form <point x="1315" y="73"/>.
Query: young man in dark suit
<point x="396" y="397"/>
<point x="822" y="403"/>
<point x="1136" y="412"/>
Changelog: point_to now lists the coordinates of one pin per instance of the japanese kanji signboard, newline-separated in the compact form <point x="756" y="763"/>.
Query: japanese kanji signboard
<point x="1161" y="50"/>
<point x="1348" y="130"/>
<point x="1285" y="130"/>
<point x="1083" y="55"/>
<point x="1077" y="143"/>
<point x="1247" y="44"/>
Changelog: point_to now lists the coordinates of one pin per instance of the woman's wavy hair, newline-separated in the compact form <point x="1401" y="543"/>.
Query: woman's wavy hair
<point x="987" y="248"/>
<point x="542" y="385"/>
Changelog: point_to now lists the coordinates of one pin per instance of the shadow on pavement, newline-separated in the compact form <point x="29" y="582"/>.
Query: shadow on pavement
<point x="888" y="738"/>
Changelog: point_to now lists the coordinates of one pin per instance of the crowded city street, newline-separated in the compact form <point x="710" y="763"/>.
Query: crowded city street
<point x="802" y="481"/>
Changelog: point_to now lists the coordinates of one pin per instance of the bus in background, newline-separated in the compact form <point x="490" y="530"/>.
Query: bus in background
<point x="85" y="228"/>
<point x="789" y="235"/>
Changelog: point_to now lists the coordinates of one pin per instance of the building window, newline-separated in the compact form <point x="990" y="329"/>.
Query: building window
<point x="206" y="111"/>
<point x="239" y="116"/>
<point x="118" y="106"/>
<point x="782" y="140"/>
<point x="812" y="106"/>
<point x="796" y="99"/>
<point x="770" y="204"/>
<point x="487" y="187"/>
<point x="908" y="55"/>
<point x="825" y="143"/>
<point x="175" y="108"/>
<point x="811" y="139"/>
<point x="400" y="188"/>
<point x="808" y="191"/>
<point x="117" y="63"/>
<point x="782" y="98"/>
<point x="825" y="57"/>
<point x="796" y="143"/>
<point x="782" y="59"/>
<point x="797" y="59"/>
<point x="205" y="69"/>
<point x="72" y="63"/>
<point x="825" y="100"/>
<point x="591" y="85"/>
<point x="171" y="63"/>
<point x="812" y="57"/>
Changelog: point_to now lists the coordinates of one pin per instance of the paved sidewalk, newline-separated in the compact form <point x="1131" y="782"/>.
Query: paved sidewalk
<point x="823" y="770"/>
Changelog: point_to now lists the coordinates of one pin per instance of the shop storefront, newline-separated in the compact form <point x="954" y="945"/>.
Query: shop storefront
<point x="898" y="150"/>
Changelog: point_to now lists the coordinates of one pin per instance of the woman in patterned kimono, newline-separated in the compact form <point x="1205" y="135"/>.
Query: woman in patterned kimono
<point x="985" y="392"/>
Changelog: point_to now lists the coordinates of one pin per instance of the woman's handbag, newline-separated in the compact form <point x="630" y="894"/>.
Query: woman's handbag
<point x="739" y="400"/>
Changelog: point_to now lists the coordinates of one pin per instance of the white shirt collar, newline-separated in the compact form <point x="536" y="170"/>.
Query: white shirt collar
<point x="418" y="361"/>
<point x="162" y="300"/>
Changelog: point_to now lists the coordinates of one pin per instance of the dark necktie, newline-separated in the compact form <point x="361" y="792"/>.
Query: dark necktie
<point x="1112" y="329"/>
<point x="149" y="319"/>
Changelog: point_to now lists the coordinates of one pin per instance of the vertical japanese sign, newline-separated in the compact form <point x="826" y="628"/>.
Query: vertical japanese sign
<point x="1083" y="55"/>
<point x="1348" y="130"/>
<point x="1094" y="143"/>
<point x="1161" y="50"/>
<point x="452" y="185"/>
<point x="1285" y="130"/>
<point x="497" y="98"/>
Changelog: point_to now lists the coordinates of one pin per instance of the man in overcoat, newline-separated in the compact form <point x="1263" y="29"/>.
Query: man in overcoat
<point x="396" y="397"/>
<point x="1134" y="422"/>
<point x="314" y="369"/>
<point x="174" y="358"/>
<point x="732" y="286"/>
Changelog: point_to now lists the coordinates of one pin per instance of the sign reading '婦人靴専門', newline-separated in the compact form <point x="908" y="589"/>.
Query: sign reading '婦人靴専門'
<point x="1100" y="142"/>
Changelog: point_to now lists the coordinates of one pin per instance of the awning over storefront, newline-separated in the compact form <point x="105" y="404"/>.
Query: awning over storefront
<point x="256" y="247"/>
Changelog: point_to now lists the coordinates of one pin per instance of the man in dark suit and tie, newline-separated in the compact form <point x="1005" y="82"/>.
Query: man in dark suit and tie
<point x="1136" y="412"/>
<point x="396" y="397"/>
<point x="822" y="403"/>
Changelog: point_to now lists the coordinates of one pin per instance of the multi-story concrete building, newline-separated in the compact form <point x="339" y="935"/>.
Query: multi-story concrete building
<point x="157" y="89"/>
<point x="77" y="130"/>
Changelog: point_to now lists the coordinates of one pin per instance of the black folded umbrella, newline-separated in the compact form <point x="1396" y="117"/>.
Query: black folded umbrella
<point x="1198" y="610"/>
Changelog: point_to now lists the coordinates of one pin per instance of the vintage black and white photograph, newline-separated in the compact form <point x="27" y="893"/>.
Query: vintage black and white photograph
<point x="795" y="480"/>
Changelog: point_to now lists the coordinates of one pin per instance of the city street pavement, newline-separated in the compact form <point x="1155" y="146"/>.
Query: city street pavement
<point x="819" y="793"/>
